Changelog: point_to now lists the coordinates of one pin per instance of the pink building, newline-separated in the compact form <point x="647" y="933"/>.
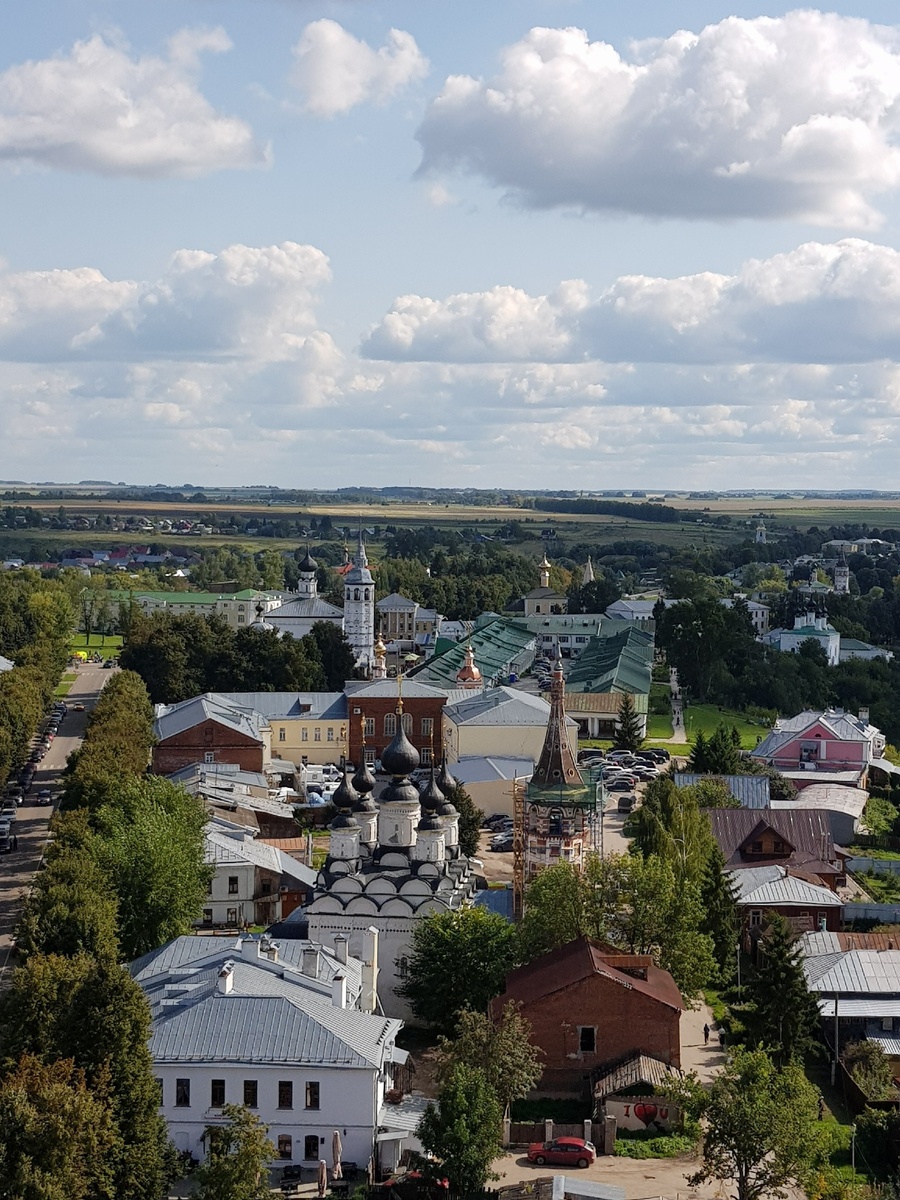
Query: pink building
<point x="830" y="746"/>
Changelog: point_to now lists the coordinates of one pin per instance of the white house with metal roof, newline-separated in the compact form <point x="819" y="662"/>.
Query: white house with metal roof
<point x="253" y="883"/>
<point x="288" y="1030"/>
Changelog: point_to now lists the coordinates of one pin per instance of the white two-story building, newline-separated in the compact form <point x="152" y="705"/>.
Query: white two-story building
<point x="289" y="1030"/>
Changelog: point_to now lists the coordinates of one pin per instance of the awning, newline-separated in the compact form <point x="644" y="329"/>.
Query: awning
<point x="875" y="1007"/>
<point x="399" y="1056"/>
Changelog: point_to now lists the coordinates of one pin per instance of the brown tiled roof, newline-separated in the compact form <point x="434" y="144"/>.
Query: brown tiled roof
<point x="581" y="959"/>
<point x="807" y="831"/>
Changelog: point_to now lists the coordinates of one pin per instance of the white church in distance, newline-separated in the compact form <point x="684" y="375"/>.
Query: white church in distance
<point x="357" y="618"/>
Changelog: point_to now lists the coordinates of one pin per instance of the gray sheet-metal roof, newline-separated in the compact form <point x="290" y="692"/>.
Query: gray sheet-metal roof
<point x="219" y="775"/>
<point x="752" y="791"/>
<point x="221" y="848"/>
<point x="568" y="1187"/>
<point x="500" y="706"/>
<point x="395" y="602"/>
<point x="485" y="769"/>
<point x="890" y="1045"/>
<point x="404" y="1116"/>
<point x="873" y="1007"/>
<point x="860" y="972"/>
<point x="388" y="687"/>
<point x="308" y="705"/>
<point x="173" y="719"/>
<point x="782" y="890"/>
<point x="270" y="1029"/>
<point x="307" y="608"/>
<point x="833" y="797"/>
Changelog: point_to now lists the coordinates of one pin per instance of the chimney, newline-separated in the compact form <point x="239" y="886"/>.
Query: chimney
<point x="340" y="948"/>
<point x="339" y="991"/>
<point x="368" y="999"/>
<point x="225" y="980"/>
<point x="863" y="716"/>
<point x="309" y="962"/>
<point x="250" y="949"/>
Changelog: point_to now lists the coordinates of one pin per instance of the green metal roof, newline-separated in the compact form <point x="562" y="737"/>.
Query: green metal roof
<point x="621" y="662"/>
<point x="499" y="646"/>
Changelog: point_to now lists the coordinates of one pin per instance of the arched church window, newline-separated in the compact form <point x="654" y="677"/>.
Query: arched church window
<point x="356" y="594"/>
<point x="407" y="723"/>
<point x="555" y="823"/>
<point x="366" y="595"/>
<point x="390" y="724"/>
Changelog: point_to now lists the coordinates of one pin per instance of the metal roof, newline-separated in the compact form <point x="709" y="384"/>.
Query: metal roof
<point x="486" y="768"/>
<point x="304" y="705"/>
<point x="269" y="1029"/>
<point x="890" y="1045"/>
<point x="306" y="608"/>
<point x="751" y="791"/>
<point x="500" y="706"/>
<point x="783" y="890"/>
<point x="222" y="848"/>
<point x="173" y="719"/>
<point x="866" y="972"/>
<point x="605" y="702"/>
<point x="619" y="662"/>
<point x="833" y="797"/>
<point x="500" y="645"/>
<point x="874" y="1008"/>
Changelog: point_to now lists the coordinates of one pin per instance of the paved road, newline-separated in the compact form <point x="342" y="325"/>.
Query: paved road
<point x="18" y="869"/>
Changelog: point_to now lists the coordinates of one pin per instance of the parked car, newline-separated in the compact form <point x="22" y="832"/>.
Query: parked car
<point x="619" y="785"/>
<point x="502" y="844"/>
<point x="45" y="796"/>
<point x="8" y="840"/>
<point x="495" y="820"/>
<point x="8" y="812"/>
<point x="626" y="803"/>
<point x="564" y="1152"/>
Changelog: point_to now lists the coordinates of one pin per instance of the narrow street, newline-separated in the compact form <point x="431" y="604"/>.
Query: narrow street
<point x="17" y="870"/>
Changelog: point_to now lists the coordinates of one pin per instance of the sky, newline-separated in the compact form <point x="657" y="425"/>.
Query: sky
<point x="581" y="244"/>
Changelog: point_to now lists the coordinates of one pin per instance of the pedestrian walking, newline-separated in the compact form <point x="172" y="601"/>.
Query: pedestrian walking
<point x="706" y="1035"/>
<point x="721" y="1039"/>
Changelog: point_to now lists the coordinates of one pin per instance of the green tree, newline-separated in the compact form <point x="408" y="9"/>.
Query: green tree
<point x="57" y="1138"/>
<point x="470" y="818"/>
<point x="501" y="1047"/>
<point x="671" y="825"/>
<point x="463" y="1130"/>
<point x="870" y="1067"/>
<point x="458" y="960"/>
<point x="628" y="734"/>
<point x="70" y="908"/>
<point x="719" y="754"/>
<point x="760" y="1127"/>
<point x="698" y="760"/>
<point x="150" y="846"/>
<point x="238" y="1158"/>
<point x="778" y="1011"/>
<point x="334" y="653"/>
<point x="720" y="914"/>
<point x="556" y="911"/>
<point x="93" y="1012"/>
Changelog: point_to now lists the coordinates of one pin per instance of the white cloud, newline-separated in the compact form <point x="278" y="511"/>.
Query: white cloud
<point x="820" y="303"/>
<point x="795" y="116"/>
<point x="99" y="109"/>
<point x="335" y="71"/>
<point x="245" y="303"/>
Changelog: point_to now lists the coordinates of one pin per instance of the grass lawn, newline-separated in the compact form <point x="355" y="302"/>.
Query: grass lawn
<point x="659" y="727"/>
<point x="64" y="686"/>
<point x="706" y="717"/>
<point x="98" y="641"/>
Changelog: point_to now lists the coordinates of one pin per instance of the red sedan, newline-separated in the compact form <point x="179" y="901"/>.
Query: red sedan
<point x="564" y="1152"/>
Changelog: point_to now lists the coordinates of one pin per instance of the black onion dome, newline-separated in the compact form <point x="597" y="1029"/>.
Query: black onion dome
<point x="364" y="784"/>
<point x="401" y="756"/>
<point x="400" y="791"/>
<point x="448" y="810"/>
<point x="446" y="782"/>
<point x="308" y="565"/>
<point x="432" y="796"/>
<point x="345" y="798"/>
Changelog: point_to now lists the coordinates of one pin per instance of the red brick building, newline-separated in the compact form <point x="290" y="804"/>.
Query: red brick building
<point x="590" y="1005"/>
<point x="763" y="892"/>
<point x="202" y="730"/>
<point x="375" y="704"/>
